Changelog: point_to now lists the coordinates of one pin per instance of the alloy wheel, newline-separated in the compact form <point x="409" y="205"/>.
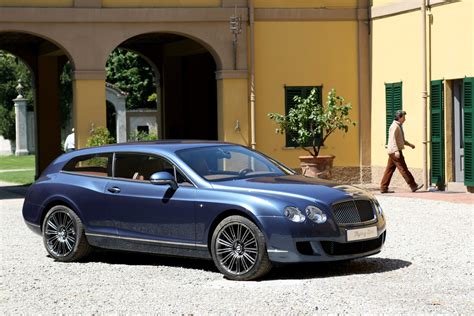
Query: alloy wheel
<point x="60" y="233"/>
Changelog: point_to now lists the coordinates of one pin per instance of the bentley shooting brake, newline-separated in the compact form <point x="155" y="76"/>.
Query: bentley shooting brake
<point x="213" y="200"/>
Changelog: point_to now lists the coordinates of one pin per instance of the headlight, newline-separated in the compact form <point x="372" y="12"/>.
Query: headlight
<point x="294" y="214"/>
<point x="315" y="214"/>
<point x="378" y="207"/>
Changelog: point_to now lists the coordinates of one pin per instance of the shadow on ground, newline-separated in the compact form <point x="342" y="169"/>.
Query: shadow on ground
<point x="286" y="272"/>
<point x="12" y="191"/>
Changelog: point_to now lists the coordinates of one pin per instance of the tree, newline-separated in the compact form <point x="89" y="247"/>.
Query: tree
<point x="132" y="74"/>
<point x="12" y="69"/>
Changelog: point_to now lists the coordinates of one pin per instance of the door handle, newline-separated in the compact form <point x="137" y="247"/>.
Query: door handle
<point x="113" y="190"/>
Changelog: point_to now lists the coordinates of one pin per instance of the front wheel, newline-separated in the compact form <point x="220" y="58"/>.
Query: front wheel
<point x="63" y="234"/>
<point x="239" y="250"/>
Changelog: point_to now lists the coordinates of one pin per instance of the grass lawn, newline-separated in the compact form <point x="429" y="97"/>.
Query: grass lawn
<point x="17" y="162"/>
<point x="18" y="177"/>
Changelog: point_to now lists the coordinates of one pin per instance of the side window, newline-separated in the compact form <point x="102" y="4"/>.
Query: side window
<point x="393" y="103"/>
<point x="140" y="167"/>
<point x="96" y="165"/>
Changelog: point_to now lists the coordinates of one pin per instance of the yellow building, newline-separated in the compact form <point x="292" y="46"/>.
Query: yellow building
<point x="423" y="63"/>
<point x="220" y="85"/>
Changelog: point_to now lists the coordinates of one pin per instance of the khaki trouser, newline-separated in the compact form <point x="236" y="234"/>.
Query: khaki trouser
<point x="400" y="164"/>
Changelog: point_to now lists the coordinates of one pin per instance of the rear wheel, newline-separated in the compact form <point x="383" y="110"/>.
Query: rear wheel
<point x="239" y="250"/>
<point x="63" y="234"/>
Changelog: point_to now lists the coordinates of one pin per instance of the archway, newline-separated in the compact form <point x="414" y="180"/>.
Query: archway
<point x="186" y="84"/>
<point x="46" y="60"/>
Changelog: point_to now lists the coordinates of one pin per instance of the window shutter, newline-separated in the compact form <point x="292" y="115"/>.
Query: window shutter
<point x="467" y="91"/>
<point x="290" y="93"/>
<point x="437" y="132"/>
<point x="393" y="103"/>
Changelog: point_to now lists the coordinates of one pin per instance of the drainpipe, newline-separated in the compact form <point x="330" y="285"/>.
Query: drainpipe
<point x="424" y="94"/>
<point x="252" y="75"/>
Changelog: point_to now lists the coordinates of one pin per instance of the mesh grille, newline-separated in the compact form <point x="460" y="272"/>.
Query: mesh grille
<point x="353" y="212"/>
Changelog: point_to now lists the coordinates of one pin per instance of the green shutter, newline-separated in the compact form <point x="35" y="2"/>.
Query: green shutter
<point x="437" y="132"/>
<point x="467" y="91"/>
<point x="290" y="93"/>
<point x="393" y="103"/>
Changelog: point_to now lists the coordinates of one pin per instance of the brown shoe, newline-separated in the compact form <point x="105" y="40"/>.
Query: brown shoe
<point x="416" y="188"/>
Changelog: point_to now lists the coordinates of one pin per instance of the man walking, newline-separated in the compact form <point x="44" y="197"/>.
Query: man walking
<point x="396" y="144"/>
<point x="69" y="142"/>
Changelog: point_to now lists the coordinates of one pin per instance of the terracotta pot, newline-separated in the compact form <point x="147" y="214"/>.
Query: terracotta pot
<point x="320" y="166"/>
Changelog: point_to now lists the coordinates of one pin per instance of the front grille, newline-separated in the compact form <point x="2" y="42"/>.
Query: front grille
<point x="353" y="212"/>
<point x="338" y="249"/>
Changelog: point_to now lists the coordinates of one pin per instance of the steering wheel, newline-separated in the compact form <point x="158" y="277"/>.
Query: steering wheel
<point x="244" y="171"/>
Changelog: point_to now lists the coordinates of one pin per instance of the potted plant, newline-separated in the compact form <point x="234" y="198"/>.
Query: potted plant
<point x="309" y="124"/>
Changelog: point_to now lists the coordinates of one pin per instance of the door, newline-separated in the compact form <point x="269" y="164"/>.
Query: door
<point x="148" y="212"/>
<point x="458" y="128"/>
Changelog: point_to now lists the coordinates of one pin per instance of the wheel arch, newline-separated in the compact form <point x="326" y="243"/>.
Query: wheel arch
<point x="55" y="202"/>
<point x="225" y="214"/>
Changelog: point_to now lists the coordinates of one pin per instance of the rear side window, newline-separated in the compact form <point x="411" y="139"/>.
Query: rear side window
<point x="141" y="166"/>
<point x="95" y="165"/>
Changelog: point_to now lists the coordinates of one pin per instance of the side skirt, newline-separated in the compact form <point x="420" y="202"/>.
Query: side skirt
<point x="148" y="246"/>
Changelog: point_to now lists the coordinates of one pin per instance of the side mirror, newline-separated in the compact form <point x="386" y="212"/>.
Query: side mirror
<point x="164" y="178"/>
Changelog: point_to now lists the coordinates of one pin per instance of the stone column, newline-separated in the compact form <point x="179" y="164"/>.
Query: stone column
<point x="20" y="123"/>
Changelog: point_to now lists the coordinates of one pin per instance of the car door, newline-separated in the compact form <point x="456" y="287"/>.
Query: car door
<point x="147" y="212"/>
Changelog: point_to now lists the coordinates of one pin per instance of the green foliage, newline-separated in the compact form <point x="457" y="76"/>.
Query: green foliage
<point x="12" y="69"/>
<point x="65" y="94"/>
<point x="136" y="136"/>
<point x="17" y="162"/>
<point x="308" y="120"/>
<point x="99" y="136"/>
<point x="18" y="177"/>
<point x="132" y="74"/>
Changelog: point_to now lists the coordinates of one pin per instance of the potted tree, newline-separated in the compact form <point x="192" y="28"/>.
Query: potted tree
<point x="309" y="124"/>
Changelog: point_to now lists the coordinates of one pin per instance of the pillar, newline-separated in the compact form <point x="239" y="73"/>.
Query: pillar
<point x="232" y="106"/>
<point x="89" y="108"/>
<point x="21" y="139"/>
<point x="48" y="120"/>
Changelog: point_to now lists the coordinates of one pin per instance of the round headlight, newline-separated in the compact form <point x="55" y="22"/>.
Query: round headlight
<point x="315" y="214"/>
<point x="294" y="214"/>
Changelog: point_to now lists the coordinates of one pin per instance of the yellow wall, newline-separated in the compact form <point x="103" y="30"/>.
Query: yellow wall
<point x="160" y="3"/>
<point x="452" y="41"/>
<point x="305" y="3"/>
<point x="36" y="3"/>
<point x="381" y="3"/>
<point x="89" y="108"/>
<point x="396" y="56"/>
<point x="232" y="106"/>
<point x="305" y="54"/>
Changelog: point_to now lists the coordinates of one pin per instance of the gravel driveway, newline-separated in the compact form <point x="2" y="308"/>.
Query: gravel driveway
<point x="425" y="267"/>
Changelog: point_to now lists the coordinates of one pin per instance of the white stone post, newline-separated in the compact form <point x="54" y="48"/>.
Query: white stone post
<point x="21" y="139"/>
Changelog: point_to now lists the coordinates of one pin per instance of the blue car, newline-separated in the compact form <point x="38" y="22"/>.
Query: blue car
<point x="213" y="200"/>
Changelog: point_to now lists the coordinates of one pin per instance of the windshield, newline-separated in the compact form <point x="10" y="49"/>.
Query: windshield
<point x="229" y="162"/>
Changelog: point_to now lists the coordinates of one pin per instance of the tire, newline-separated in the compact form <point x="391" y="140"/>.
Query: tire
<point x="239" y="249"/>
<point x="63" y="235"/>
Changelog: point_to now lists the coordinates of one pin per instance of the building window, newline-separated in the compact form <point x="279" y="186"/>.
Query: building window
<point x="143" y="129"/>
<point x="290" y="93"/>
<point x="393" y="103"/>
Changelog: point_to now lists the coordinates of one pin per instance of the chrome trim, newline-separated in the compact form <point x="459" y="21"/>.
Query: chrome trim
<point x="277" y="251"/>
<point x="149" y="240"/>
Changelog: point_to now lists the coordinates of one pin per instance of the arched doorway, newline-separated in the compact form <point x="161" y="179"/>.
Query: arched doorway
<point x="184" y="71"/>
<point x="51" y="88"/>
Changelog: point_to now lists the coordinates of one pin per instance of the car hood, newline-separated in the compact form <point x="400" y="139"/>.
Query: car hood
<point x="297" y="186"/>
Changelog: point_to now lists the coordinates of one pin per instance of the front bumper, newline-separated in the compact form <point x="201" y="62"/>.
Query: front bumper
<point x="289" y="242"/>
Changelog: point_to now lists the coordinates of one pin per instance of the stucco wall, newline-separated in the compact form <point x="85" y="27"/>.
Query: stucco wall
<point x="305" y="54"/>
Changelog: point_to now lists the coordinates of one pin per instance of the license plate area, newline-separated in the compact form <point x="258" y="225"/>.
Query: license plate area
<point x="362" y="233"/>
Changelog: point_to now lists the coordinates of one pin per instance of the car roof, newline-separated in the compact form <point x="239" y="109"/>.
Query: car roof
<point x="158" y="145"/>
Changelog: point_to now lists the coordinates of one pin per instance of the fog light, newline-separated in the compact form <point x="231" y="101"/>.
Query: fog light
<point x="315" y="214"/>
<point x="294" y="214"/>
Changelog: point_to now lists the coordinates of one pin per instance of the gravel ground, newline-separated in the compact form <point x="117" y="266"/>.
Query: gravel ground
<point x="425" y="267"/>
